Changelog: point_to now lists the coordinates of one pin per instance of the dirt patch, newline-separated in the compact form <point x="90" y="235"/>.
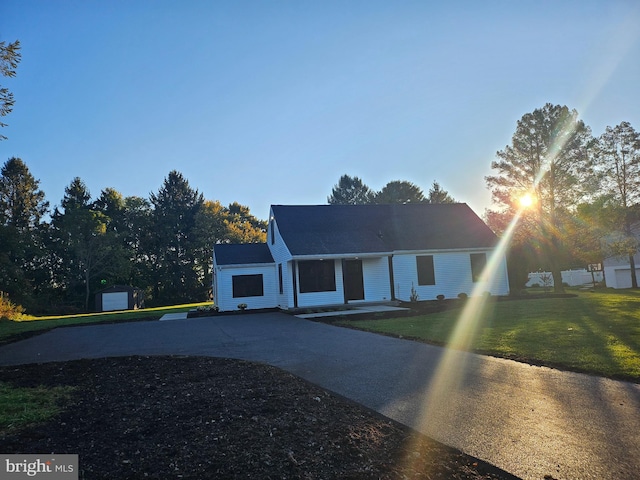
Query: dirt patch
<point x="200" y="418"/>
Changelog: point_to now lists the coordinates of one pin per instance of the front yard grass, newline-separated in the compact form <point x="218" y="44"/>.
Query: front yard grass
<point x="14" y="329"/>
<point x="595" y="332"/>
<point x="20" y="407"/>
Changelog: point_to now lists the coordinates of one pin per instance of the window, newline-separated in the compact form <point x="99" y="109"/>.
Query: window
<point x="478" y="262"/>
<point x="280" y="278"/>
<point x="426" y="274"/>
<point x="247" y="286"/>
<point x="317" y="276"/>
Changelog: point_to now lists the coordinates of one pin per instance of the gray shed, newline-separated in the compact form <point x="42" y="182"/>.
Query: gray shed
<point x="119" y="297"/>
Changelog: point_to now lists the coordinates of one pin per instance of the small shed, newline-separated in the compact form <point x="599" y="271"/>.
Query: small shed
<point x="119" y="297"/>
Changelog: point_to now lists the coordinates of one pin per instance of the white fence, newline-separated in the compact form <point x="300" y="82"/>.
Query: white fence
<point x="573" y="278"/>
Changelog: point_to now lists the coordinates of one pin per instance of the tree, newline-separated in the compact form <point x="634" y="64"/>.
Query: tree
<point x="22" y="203"/>
<point x="22" y="207"/>
<point x="400" y="191"/>
<point x="438" y="195"/>
<point x="617" y="161"/>
<point x="175" y="208"/>
<point x="350" y="191"/>
<point x="9" y="58"/>
<point x="86" y="248"/>
<point x="243" y="227"/>
<point x="548" y="160"/>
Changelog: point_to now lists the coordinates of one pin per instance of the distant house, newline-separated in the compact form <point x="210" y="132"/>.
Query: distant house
<point x="617" y="269"/>
<point x="326" y="255"/>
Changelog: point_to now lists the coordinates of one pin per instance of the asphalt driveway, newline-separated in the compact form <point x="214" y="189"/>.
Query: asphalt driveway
<point x="530" y="421"/>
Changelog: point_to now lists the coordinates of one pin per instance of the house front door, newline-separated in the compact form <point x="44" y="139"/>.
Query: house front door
<point x="353" y="280"/>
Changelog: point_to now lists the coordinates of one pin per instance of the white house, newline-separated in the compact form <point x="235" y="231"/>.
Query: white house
<point x="321" y="255"/>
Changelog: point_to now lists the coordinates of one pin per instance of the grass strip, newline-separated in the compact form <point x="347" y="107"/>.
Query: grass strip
<point x="15" y="329"/>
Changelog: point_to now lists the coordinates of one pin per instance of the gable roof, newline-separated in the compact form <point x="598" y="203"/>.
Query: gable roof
<point x="361" y="229"/>
<point x="243" y="253"/>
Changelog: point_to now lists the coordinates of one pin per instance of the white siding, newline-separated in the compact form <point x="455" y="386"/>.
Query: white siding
<point x="452" y="276"/>
<point x="281" y="255"/>
<point x="619" y="277"/>
<point x="617" y="271"/>
<point x="377" y="287"/>
<point x="224" y="288"/>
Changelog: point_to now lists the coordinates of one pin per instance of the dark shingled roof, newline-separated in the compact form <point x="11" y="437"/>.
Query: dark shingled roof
<point x="345" y="229"/>
<point x="245" y="253"/>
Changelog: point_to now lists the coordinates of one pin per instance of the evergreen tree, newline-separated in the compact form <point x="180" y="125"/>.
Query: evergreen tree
<point x="86" y="249"/>
<point x="350" y="191"/>
<point x="400" y="191"/>
<point x="175" y="208"/>
<point x="438" y="195"/>
<point x="22" y="207"/>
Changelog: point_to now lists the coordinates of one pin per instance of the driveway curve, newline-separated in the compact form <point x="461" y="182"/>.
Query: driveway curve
<point x="530" y="421"/>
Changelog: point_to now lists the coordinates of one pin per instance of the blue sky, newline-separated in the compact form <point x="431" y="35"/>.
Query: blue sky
<point x="270" y="102"/>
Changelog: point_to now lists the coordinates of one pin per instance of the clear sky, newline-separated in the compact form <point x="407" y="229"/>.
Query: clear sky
<point x="270" y="102"/>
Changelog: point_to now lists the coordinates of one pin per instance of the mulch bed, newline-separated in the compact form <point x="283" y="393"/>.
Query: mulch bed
<point x="202" y="418"/>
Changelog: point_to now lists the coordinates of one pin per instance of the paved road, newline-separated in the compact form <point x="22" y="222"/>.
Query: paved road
<point x="530" y="421"/>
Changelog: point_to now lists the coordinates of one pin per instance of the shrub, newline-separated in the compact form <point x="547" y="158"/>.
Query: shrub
<point x="9" y="310"/>
<point x="242" y="306"/>
<point x="462" y="296"/>
<point x="440" y="297"/>
<point x="414" y="297"/>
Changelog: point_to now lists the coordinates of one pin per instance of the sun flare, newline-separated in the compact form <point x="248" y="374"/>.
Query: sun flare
<point x="526" y="200"/>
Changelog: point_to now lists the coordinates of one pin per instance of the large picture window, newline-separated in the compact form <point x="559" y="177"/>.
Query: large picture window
<point x="317" y="276"/>
<point x="247" y="286"/>
<point x="478" y="262"/>
<point x="426" y="273"/>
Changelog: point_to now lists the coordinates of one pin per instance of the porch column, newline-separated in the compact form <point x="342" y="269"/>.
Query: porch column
<point x="391" y="280"/>
<point x="294" y="267"/>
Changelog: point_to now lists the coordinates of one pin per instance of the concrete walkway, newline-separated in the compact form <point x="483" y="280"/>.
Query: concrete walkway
<point x="530" y="421"/>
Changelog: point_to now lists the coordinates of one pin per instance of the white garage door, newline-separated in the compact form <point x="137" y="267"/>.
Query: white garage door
<point x="623" y="277"/>
<point x="115" y="301"/>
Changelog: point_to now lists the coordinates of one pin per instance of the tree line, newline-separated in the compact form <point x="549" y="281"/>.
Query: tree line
<point x="55" y="261"/>
<point x="583" y="205"/>
<point x="353" y="191"/>
<point x="576" y="196"/>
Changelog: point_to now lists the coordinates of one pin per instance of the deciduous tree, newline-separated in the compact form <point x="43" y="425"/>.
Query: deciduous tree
<point x="548" y="160"/>
<point x="617" y="161"/>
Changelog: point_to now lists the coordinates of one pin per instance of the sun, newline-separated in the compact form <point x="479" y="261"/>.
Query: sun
<point x="526" y="200"/>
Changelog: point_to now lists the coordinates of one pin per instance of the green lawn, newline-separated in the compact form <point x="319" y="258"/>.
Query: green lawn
<point x="26" y="406"/>
<point x="10" y="328"/>
<point x="595" y="332"/>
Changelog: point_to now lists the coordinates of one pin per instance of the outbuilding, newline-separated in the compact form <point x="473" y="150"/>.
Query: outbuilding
<point x="119" y="297"/>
